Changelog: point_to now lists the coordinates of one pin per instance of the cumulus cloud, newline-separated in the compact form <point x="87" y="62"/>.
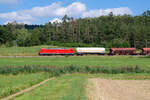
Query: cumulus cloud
<point x="56" y="10"/>
<point x="56" y="20"/>
<point x="5" y="23"/>
<point x="15" y="16"/>
<point x="8" y="1"/>
<point x="53" y="10"/>
<point x="23" y="22"/>
<point x="100" y="12"/>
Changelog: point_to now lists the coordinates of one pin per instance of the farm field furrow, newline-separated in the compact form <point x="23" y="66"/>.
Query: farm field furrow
<point x="10" y="84"/>
<point x="107" y="89"/>
<point x="67" y="87"/>
<point x="106" y="61"/>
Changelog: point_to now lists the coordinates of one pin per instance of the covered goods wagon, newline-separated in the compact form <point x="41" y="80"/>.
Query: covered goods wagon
<point x="123" y="51"/>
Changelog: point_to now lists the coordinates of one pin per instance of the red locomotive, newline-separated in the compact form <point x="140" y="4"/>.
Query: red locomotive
<point x="57" y="51"/>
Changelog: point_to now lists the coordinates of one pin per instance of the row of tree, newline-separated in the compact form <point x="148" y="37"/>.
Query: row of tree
<point x="106" y="31"/>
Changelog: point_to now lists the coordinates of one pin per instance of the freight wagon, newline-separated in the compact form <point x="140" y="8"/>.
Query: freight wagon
<point x="92" y="50"/>
<point x="145" y="51"/>
<point x="122" y="51"/>
<point x="81" y="51"/>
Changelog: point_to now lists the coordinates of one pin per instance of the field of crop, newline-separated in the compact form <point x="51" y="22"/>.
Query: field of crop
<point x="73" y="73"/>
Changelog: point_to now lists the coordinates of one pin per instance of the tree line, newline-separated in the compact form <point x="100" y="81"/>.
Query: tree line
<point x="105" y="31"/>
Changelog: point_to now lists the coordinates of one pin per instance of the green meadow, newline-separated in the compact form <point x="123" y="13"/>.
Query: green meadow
<point x="106" y="61"/>
<point x="69" y="73"/>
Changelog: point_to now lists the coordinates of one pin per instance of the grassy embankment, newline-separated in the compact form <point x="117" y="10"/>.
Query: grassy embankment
<point x="33" y="50"/>
<point x="106" y="61"/>
<point x="22" y="51"/>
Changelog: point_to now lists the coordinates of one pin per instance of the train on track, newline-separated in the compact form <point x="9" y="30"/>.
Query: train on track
<point x="93" y="50"/>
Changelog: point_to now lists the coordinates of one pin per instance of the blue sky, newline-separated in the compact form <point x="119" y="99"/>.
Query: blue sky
<point x="42" y="11"/>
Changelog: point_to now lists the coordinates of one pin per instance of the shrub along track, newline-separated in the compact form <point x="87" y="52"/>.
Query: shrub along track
<point x="26" y="90"/>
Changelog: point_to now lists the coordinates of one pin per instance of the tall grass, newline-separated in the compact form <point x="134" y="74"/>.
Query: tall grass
<point x="56" y="71"/>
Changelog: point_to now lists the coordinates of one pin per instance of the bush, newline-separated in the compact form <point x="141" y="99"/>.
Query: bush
<point x="118" y="43"/>
<point x="54" y="43"/>
<point x="57" y="71"/>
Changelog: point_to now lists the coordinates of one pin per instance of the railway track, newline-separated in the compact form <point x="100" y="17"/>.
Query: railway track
<point x="63" y="56"/>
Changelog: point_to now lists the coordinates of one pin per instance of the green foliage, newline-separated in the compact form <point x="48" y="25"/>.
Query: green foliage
<point x="69" y="44"/>
<point x="107" y="31"/>
<point x="118" y="43"/>
<point x="146" y="13"/>
<point x="22" y="37"/>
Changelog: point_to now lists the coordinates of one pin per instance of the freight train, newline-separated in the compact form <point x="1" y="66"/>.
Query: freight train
<point x="93" y="50"/>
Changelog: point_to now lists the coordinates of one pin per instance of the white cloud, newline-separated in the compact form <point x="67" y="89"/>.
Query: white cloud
<point x="56" y="10"/>
<point x="8" y="1"/>
<point x="46" y="11"/>
<point x="23" y="22"/>
<point x="7" y="22"/>
<point x="15" y="16"/>
<point x="53" y="10"/>
<point x="75" y="9"/>
<point x="56" y="20"/>
<point x="100" y="12"/>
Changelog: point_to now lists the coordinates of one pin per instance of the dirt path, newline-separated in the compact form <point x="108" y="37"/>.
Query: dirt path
<point x="103" y="89"/>
<point x="26" y="90"/>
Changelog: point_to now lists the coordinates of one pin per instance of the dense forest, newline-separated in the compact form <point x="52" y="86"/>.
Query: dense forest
<point x="104" y="31"/>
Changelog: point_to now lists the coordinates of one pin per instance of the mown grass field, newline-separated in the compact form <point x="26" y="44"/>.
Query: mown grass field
<point x="106" y="61"/>
<point x="72" y="86"/>
<point x="10" y="84"/>
<point x="67" y="87"/>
